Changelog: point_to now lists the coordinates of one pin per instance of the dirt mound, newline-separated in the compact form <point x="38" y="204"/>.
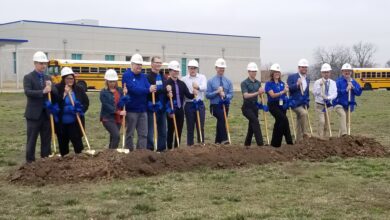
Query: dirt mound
<point x="109" y="164"/>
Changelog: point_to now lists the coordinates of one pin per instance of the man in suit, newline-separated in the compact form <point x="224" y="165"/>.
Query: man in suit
<point x="36" y="87"/>
<point x="298" y="84"/>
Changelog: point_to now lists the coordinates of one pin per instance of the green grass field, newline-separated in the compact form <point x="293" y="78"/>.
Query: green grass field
<point x="356" y="188"/>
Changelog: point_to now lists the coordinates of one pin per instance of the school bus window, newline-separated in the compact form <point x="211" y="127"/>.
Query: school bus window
<point x="368" y="75"/>
<point x="373" y="75"/>
<point x="85" y="69"/>
<point x="364" y="75"/>
<point x="94" y="70"/>
<point x="378" y="75"/>
<point x="383" y="74"/>
<point x="76" y="69"/>
<point x="388" y="74"/>
<point x="102" y="70"/>
<point x="357" y="75"/>
<point x="117" y="70"/>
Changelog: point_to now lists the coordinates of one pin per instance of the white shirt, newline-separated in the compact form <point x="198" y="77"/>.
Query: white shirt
<point x="318" y="90"/>
<point x="199" y="79"/>
<point x="304" y="82"/>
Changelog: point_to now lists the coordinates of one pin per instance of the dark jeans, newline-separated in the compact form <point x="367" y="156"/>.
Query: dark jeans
<point x="251" y="112"/>
<point x="281" y="126"/>
<point x="114" y="129"/>
<point x="39" y="127"/>
<point x="161" y="120"/>
<point x="192" y="120"/>
<point x="221" y="134"/>
<point x="69" y="132"/>
<point x="171" y="137"/>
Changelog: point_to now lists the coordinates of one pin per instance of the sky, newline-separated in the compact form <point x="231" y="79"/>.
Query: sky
<point x="289" y="30"/>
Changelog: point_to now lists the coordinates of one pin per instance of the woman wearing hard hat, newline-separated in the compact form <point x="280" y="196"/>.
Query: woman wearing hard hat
<point x="276" y="91"/>
<point x="67" y="127"/>
<point x="111" y="113"/>
<point x="251" y="90"/>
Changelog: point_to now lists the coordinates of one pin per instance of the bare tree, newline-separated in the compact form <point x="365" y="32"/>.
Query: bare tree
<point x="363" y="54"/>
<point x="388" y="63"/>
<point x="335" y="56"/>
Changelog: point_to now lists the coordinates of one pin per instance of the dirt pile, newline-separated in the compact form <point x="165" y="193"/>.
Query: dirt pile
<point x="109" y="164"/>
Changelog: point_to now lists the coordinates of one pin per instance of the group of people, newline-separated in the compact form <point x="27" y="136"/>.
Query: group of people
<point x="155" y="106"/>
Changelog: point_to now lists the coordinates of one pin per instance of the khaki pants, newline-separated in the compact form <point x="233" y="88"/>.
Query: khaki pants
<point x="301" y="122"/>
<point x="343" y="117"/>
<point x="322" y="120"/>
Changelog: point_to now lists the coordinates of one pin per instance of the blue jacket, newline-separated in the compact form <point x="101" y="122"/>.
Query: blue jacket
<point x="108" y="108"/>
<point x="342" y="93"/>
<point x="138" y="90"/>
<point x="295" y="91"/>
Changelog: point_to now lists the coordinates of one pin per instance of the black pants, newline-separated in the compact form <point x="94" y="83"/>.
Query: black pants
<point x="171" y="136"/>
<point x="281" y="126"/>
<point x="114" y="129"/>
<point x="192" y="121"/>
<point x="39" y="127"/>
<point x="221" y="134"/>
<point x="69" y="132"/>
<point x="251" y="112"/>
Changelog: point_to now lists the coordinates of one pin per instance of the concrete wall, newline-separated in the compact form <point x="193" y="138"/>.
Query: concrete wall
<point x="94" y="42"/>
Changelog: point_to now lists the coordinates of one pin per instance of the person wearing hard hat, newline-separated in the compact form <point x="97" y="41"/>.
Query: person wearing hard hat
<point x="276" y="91"/>
<point x="324" y="91"/>
<point x="219" y="92"/>
<point x="177" y="90"/>
<point x="345" y="85"/>
<point x="155" y="77"/>
<point x="298" y="83"/>
<point x="251" y="90"/>
<point x="111" y="113"/>
<point x="138" y="88"/>
<point x="67" y="127"/>
<point x="195" y="80"/>
<point x="36" y="87"/>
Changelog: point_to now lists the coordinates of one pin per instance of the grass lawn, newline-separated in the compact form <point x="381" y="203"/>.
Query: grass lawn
<point x="356" y="188"/>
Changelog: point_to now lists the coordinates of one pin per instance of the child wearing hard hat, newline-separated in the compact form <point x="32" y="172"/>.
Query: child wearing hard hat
<point x="111" y="113"/>
<point x="251" y="90"/>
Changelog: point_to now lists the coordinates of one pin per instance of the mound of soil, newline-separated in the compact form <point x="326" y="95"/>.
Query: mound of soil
<point x="109" y="164"/>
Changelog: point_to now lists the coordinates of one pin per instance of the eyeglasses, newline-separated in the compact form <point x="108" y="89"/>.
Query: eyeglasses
<point x="69" y="78"/>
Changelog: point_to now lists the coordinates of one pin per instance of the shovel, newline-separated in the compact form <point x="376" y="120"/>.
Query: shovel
<point x="292" y="119"/>
<point x="226" y="122"/>
<point x="326" y="111"/>
<point x="199" y="125"/>
<point x="265" y="119"/>
<point x="154" y="123"/>
<point x="53" y="135"/>
<point x="123" y="149"/>
<point x="349" y="112"/>
<point x="89" y="151"/>
<point x="308" y="115"/>
<point x="174" y="124"/>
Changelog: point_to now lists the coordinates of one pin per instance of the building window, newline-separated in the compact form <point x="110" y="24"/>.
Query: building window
<point x="14" y="61"/>
<point x="183" y="66"/>
<point x="110" y="57"/>
<point x="77" y="56"/>
<point x="128" y="58"/>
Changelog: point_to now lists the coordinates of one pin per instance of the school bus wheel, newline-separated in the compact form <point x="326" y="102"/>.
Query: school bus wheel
<point x="367" y="86"/>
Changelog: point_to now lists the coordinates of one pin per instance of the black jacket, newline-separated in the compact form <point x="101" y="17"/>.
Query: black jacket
<point x="160" y="94"/>
<point x="183" y="90"/>
<point x="35" y="97"/>
<point x="108" y="108"/>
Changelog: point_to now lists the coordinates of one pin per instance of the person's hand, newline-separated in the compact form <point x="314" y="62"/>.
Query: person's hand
<point x="67" y="89"/>
<point x="195" y="92"/>
<point x="299" y="82"/>
<point x="286" y="89"/>
<point x="122" y="113"/>
<point x="170" y="115"/>
<point x="169" y="88"/>
<point x="195" y="85"/>
<point x="324" y="97"/>
<point x="220" y="90"/>
<point x="48" y="83"/>
<point x="321" y="83"/>
<point x="349" y="87"/>
<point x="261" y="91"/>
<point x="47" y="89"/>
<point x="222" y="94"/>
<point x="153" y="88"/>
<point x="170" y="94"/>
<point x="125" y="89"/>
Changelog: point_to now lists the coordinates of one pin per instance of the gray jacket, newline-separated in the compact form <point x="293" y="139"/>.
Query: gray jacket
<point x="35" y="97"/>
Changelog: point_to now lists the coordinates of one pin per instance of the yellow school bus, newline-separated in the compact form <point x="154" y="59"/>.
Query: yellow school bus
<point x="372" y="78"/>
<point x="90" y="73"/>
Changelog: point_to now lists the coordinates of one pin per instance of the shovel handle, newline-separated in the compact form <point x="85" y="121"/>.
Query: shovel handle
<point x="265" y="119"/>
<point x="154" y="122"/>
<point x="174" y="123"/>
<point x="292" y="119"/>
<point x="52" y="128"/>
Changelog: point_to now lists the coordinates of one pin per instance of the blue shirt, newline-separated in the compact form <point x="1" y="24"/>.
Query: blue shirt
<point x="68" y="117"/>
<point x="138" y="89"/>
<point x="342" y="93"/>
<point x="212" y="87"/>
<point x="275" y="87"/>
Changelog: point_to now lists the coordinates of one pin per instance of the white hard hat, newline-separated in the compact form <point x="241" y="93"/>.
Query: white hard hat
<point x="193" y="63"/>
<point x="346" y="66"/>
<point x="137" y="59"/>
<point x="275" y="67"/>
<point x="40" y="57"/>
<point x="252" y="67"/>
<point x="111" y="75"/>
<point x="66" y="71"/>
<point x="326" y="68"/>
<point x="174" y="65"/>
<point x="303" y="63"/>
<point x="220" y="63"/>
